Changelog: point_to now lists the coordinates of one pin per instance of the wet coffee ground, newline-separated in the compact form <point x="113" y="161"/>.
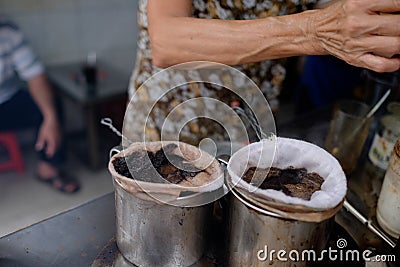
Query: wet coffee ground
<point x="156" y="167"/>
<point x="291" y="181"/>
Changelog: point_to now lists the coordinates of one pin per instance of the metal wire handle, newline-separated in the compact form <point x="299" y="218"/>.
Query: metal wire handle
<point x="368" y="223"/>
<point x="249" y="115"/>
<point x="108" y="122"/>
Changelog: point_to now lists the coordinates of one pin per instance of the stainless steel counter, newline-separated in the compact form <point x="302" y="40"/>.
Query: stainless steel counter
<point x="71" y="239"/>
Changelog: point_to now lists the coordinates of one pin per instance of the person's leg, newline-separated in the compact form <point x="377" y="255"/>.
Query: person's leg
<point x="21" y="112"/>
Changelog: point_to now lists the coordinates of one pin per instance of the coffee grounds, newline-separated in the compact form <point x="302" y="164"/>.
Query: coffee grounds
<point x="291" y="181"/>
<point x="141" y="165"/>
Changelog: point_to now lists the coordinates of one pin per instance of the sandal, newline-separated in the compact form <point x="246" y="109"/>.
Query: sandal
<point x="60" y="183"/>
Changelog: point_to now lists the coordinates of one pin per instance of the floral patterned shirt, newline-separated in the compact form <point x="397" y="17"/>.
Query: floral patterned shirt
<point x="267" y="75"/>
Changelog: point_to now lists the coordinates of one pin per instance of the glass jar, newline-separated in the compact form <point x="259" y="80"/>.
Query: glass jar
<point x="388" y="210"/>
<point x="385" y="137"/>
<point x="379" y="152"/>
<point x="377" y="84"/>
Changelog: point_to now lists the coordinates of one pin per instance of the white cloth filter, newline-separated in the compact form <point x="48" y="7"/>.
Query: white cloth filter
<point x="291" y="153"/>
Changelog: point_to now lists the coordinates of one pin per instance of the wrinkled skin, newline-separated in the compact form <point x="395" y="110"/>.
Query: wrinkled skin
<point x="364" y="33"/>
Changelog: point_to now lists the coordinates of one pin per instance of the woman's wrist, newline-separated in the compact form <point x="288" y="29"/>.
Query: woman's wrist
<point x="293" y="35"/>
<point x="311" y="32"/>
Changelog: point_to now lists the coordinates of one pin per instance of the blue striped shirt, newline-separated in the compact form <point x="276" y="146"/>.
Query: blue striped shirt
<point x="17" y="60"/>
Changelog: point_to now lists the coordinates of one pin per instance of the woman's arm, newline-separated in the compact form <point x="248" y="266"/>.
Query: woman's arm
<point x="356" y="31"/>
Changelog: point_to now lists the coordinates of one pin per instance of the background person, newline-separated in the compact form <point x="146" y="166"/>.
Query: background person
<point x="20" y="108"/>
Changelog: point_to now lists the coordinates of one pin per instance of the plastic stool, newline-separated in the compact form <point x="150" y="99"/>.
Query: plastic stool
<point x="16" y="162"/>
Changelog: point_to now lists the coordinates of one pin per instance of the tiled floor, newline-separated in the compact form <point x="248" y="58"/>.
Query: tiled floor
<point x="24" y="200"/>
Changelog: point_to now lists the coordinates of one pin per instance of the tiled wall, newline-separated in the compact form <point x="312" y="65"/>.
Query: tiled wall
<point x="66" y="30"/>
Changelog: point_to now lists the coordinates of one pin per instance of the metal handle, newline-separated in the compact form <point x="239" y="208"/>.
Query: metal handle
<point x="115" y="150"/>
<point x="224" y="159"/>
<point x="108" y="122"/>
<point x="256" y="208"/>
<point x="369" y="224"/>
<point x="249" y="115"/>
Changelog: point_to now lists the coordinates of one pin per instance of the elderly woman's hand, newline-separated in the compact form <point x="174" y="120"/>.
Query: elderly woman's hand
<point x="364" y="33"/>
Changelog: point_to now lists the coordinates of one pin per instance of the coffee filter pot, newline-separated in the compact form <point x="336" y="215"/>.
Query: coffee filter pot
<point x="282" y="154"/>
<point x="208" y="180"/>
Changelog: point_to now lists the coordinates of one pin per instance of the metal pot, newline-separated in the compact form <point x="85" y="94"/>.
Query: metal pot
<point x="255" y="232"/>
<point x="152" y="233"/>
<point x="264" y="230"/>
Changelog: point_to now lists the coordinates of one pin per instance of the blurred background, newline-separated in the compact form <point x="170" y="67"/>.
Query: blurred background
<point x="63" y="33"/>
<point x="66" y="31"/>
